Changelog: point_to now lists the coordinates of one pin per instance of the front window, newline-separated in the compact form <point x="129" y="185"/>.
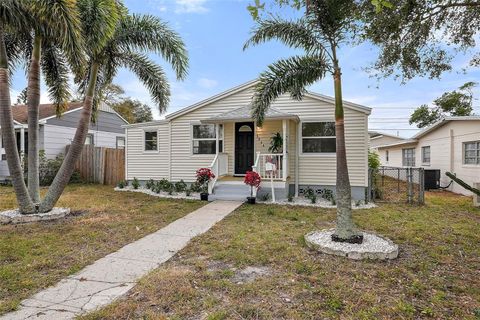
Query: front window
<point x="408" y="157"/>
<point x="120" y="142"/>
<point x="204" y="138"/>
<point x="318" y="137"/>
<point x="151" y="141"/>
<point x="426" y="155"/>
<point x="471" y="152"/>
<point x="89" y="140"/>
<point x="387" y="155"/>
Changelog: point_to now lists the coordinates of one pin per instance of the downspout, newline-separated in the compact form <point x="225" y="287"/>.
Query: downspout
<point x="297" y="157"/>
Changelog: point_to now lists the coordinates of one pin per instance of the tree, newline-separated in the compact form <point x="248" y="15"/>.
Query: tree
<point x="454" y="103"/>
<point x="326" y="25"/>
<point x="133" y="111"/>
<point x="20" y="20"/>
<point x="114" y="39"/>
<point x="112" y="94"/>
<point x="22" y="97"/>
<point x="415" y="36"/>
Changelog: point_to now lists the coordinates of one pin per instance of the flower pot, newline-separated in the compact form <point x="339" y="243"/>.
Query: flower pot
<point x="204" y="196"/>
<point x="251" y="200"/>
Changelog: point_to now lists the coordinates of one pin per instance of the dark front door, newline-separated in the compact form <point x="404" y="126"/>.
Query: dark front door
<point x="243" y="147"/>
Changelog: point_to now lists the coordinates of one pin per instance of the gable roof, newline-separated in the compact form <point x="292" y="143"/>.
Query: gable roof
<point x="250" y="84"/>
<point x="244" y="113"/>
<point x="442" y="122"/>
<point x="429" y="129"/>
<point x="48" y="111"/>
<point x="378" y="135"/>
<point x="20" y="112"/>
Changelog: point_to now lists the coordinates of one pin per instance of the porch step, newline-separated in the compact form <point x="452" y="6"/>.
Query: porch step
<point x="225" y="191"/>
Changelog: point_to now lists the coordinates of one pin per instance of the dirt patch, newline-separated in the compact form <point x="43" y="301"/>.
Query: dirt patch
<point x="250" y="274"/>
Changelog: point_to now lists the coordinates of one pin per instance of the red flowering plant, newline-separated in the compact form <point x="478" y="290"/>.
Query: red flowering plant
<point x="252" y="179"/>
<point x="204" y="175"/>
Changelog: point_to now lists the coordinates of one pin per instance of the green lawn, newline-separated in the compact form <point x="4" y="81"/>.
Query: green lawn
<point x="436" y="275"/>
<point x="35" y="256"/>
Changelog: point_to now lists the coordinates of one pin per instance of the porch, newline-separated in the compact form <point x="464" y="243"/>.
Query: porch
<point x="243" y="146"/>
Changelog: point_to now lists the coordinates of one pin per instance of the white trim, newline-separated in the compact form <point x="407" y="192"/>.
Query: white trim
<point x="235" y="145"/>
<point x="55" y="116"/>
<point x="443" y="121"/>
<point x="126" y="154"/>
<point x="207" y="155"/>
<point x="477" y="142"/>
<point x="145" y="130"/>
<point x="315" y="154"/>
<point x="146" y="124"/>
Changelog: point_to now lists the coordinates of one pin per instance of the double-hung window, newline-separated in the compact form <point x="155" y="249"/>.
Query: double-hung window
<point x="89" y="140"/>
<point x="204" y="138"/>
<point x="408" y="157"/>
<point x="471" y="152"/>
<point x="426" y="155"/>
<point x="151" y="140"/>
<point x="318" y="137"/>
<point x="120" y="142"/>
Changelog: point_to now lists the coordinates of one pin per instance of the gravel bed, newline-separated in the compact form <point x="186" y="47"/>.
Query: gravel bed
<point x="192" y="196"/>
<point x="373" y="247"/>
<point x="15" y="217"/>
<point x="321" y="203"/>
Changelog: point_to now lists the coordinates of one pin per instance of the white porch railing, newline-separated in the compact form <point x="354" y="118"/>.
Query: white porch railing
<point x="278" y="163"/>
<point x="219" y="168"/>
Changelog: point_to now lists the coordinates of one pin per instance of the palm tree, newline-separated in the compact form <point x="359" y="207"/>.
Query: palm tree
<point x="320" y="32"/>
<point x="25" y="26"/>
<point x="113" y="41"/>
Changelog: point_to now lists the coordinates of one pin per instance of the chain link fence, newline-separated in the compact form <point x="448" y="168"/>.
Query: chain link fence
<point x="396" y="185"/>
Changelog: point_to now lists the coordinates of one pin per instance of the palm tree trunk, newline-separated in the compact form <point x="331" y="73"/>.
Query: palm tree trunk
<point x="33" y="101"/>
<point x="8" y="131"/>
<point x="63" y="176"/>
<point x="345" y="230"/>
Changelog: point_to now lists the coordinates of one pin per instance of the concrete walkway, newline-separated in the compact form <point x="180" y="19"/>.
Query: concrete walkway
<point x="112" y="276"/>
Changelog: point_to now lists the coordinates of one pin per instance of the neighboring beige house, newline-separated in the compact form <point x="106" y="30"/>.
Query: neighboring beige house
<point x="451" y="144"/>
<point x="219" y="133"/>
<point x="381" y="139"/>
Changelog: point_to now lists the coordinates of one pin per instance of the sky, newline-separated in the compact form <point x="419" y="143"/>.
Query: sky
<point x="214" y="32"/>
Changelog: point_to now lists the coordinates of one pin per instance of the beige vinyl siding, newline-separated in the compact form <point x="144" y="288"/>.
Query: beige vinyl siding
<point x="446" y="152"/>
<point x="313" y="169"/>
<point x="147" y="165"/>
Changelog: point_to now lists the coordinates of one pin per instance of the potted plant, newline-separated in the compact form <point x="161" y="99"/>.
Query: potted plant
<point x="204" y="175"/>
<point x="252" y="179"/>
<point x="276" y="143"/>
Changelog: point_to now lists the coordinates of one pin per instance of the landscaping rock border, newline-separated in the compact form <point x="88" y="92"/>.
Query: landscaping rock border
<point x="15" y="217"/>
<point x="373" y="247"/>
<point x="175" y="195"/>
<point x="321" y="203"/>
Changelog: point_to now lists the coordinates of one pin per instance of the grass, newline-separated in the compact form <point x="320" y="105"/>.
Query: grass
<point x="35" y="256"/>
<point x="436" y="274"/>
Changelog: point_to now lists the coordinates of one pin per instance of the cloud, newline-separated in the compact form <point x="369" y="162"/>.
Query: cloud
<point x="190" y="6"/>
<point x="207" y="83"/>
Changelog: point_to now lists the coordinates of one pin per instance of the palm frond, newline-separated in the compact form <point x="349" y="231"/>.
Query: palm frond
<point x="99" y="21"/>
<point x="290" y="75"/>
<point x="294" y="34"/>
<point x="148" y="33"/>
<point x="152" y="76"/>
<point x="59" y="21"/>
<point x="55" y="70"/>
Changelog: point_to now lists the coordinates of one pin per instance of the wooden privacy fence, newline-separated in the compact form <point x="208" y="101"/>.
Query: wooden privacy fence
<point x="101" y="165"/>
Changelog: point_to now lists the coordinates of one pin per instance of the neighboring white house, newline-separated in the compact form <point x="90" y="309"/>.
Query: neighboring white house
<point x="381" y="139"/>
<point x="219" y="133"/>
<point x="56" y="133"/>
<point x="451" y="144"/>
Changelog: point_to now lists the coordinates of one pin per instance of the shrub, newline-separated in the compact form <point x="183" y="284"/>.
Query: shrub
<point x="195" y="187"/>
<point x="48" y="169"/>
<point x="290" y="197"/>
<point x="188" y="192"/>
<point x="313" y="198"/>
<point x="308" y="192"/>
<point x="265" y="197"/>
<point x="253" y="180"/>
<point x="327" y="194"/>
<point x="180" y="186"/>
<point x="373" y="160"/>
<point x="135" y="183"/>
<point x="358" y="203"/>
<point x="122" y="184"/>
<point x="150" y="184"/>
<point x="167" y="186"/>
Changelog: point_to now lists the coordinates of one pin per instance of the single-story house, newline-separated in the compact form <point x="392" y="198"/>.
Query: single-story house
<point x="56" y="133"/>
<point x="220" y="133"/>
<point x="449" y="145"/>
<point x="381" y="139"/>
